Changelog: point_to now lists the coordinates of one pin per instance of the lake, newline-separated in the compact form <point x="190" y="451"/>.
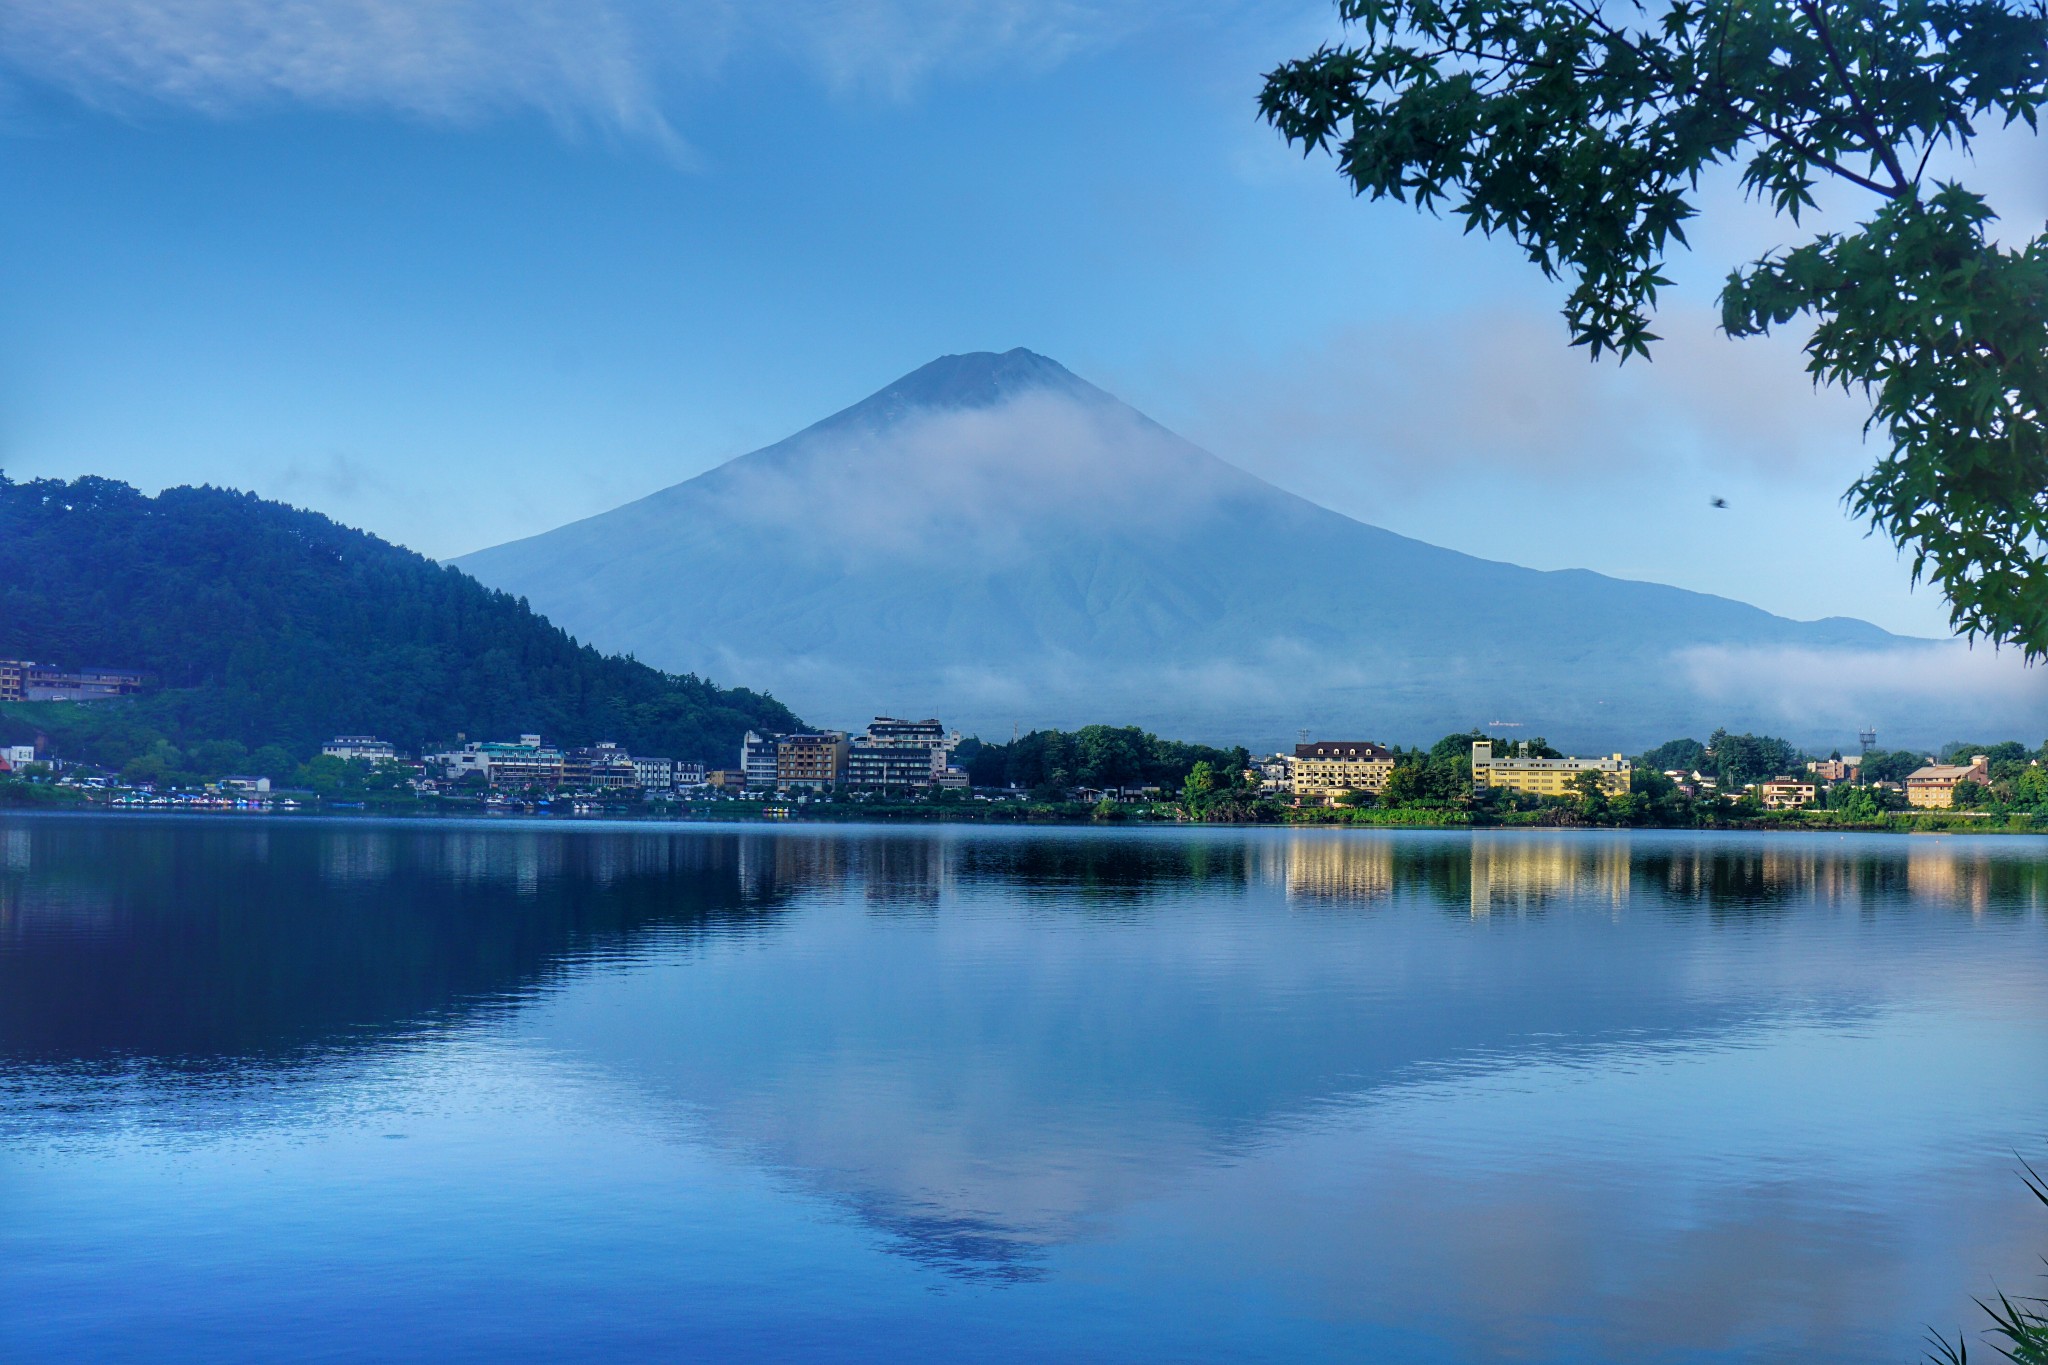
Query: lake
<point x="291" y="1089"/>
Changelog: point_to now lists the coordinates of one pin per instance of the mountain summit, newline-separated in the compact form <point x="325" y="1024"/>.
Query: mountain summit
<point x="996" y="541"/>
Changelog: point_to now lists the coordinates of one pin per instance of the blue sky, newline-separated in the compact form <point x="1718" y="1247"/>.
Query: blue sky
<point x="461" y="272"/>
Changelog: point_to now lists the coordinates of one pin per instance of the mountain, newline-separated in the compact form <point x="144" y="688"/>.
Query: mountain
<point x="993" y="540"/>
<point x="267" y="624"/>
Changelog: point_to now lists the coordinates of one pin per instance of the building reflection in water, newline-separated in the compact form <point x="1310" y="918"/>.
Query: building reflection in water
<point x="215" y="948"/>
<point x="1323" y="868"/>
<point x="1515" y="875"/>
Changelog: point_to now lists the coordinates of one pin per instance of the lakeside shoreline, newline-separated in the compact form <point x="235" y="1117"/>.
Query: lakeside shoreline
<point x="1040" y="817"/>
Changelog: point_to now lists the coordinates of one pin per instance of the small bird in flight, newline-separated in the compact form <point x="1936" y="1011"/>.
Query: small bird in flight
<point x="1721" y="503"/>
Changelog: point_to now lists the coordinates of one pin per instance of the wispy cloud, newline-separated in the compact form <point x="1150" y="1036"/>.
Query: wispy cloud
<point x="1422" y="401"/>
<point x="592" y="63"/>
<point x="1798" y="684"/>
<point x="603" y="64"/>
<point x="980" y="483"/>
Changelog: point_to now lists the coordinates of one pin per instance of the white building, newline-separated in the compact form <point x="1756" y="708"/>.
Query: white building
<point x="757" y="759"/>
<point x="359" y="748"/>
<point x="530" y="762"/>
<point x="655" y="774"/>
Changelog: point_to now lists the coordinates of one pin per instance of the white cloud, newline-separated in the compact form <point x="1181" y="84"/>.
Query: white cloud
<point x="438" y="59"/>
<point x="980" y="482"/>
<point x="1424" y="401"/>
<point x="606" y="64"/>
<point x="1799" y="683"/>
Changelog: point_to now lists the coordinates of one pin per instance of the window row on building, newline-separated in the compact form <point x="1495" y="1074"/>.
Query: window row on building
<point x="892" y="757"/>
<point x="26" y="680"/>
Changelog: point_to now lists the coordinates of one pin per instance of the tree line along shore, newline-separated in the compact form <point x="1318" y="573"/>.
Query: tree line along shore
<point x="1097" y="774"/>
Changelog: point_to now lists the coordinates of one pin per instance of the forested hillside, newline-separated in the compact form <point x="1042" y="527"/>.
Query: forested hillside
<point x="271" y="625"/>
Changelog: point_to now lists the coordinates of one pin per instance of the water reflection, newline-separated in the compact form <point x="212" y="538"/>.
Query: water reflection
<point x="982" y="1045"/>
<point x="195" y="941"/>
<point x="201" y="938"/>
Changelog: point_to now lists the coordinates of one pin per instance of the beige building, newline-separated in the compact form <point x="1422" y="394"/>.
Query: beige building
<point x="1544" y="776"/>
<point x="1325" y="771"/>
<point x="1934" y="786"/>
<point x="815" y="761"/>
<point x="1835" y="769"/>
<point x="1785" y="793"/>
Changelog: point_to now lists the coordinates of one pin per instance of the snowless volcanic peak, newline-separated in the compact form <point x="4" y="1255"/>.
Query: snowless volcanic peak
<point x="996" y="541"/>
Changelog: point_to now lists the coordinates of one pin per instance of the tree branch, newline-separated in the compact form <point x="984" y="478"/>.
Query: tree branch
<point x="1880" y="146"/>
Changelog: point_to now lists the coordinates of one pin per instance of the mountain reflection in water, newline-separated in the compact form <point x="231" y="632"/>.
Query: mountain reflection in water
<point x="985" y="1047"/>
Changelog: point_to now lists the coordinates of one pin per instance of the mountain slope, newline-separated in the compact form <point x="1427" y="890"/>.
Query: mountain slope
<point x="268" y="624"/>
<point x="994" y="540"/>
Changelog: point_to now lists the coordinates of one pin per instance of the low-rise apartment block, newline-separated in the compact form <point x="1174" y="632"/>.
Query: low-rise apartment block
<point x="659" y="774"/>
<point x="1275" y="775"/>
<point x="359" y="749"/>
<point x="26" y="680"/>
<point x="1545" y="776"/>
<point x="1934" y="786"/>
<point x="1326" y="770"/>
<point x="1786" y="793"/>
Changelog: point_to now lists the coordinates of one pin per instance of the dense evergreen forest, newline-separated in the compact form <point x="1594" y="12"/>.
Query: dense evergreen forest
<point x="268" y="625"/>
<point x="1051" y="761"/>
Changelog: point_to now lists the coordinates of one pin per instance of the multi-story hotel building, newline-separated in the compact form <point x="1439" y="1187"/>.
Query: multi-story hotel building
<point x="1544" y="776"/>
<point x="659" y="774"/>
<point x="813" y="761"/>
<point x="529" y="763"/>
<point x="758" y="759"/>
<point x="899" y="755"/>
<point x="601" y="767"/>
<point x="1325" y="770"/>
<point x="1934" y="786"/>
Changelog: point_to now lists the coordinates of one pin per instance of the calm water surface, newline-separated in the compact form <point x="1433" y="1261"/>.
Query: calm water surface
<point x="297" y="1090"/>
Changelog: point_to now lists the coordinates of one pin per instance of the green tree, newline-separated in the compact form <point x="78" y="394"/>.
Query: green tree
<point x="1686" y="755"/>
<point x="265" y="624"/>
<point x="1440" y="777"/>
<point x="1591" y="797"/>
<point x="275" y="762"/>
<point x="1745" y="758"/>
<point x="218" y="756"/>
<point x="1581" y="132"/>
<point x="1855" y="803"/>
<point x="1889" y="766"/>
<point x="162" y="764"/>
<point x="332" y="777"/>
